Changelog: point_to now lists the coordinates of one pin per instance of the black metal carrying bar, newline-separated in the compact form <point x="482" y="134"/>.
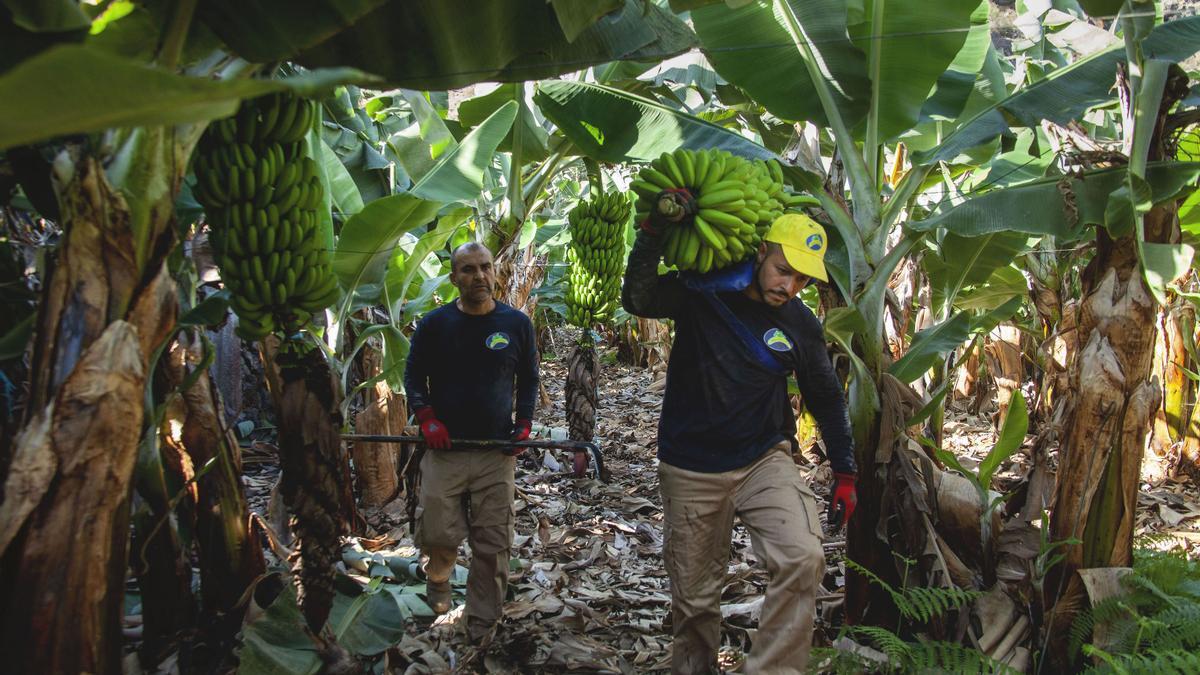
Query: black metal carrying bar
<point x="464" y="444"/>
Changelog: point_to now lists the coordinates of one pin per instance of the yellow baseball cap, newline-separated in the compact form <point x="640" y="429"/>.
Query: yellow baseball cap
<point x="803" y="242"/>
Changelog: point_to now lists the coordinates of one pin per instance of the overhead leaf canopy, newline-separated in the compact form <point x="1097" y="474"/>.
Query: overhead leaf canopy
<point x="443" y="44"/>
<point x="611" y="125"/>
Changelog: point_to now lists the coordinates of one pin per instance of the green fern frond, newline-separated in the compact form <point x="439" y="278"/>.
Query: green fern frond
<point x="919" y="603"/>
<point x="884" y="640"/>
<point x="1170" y="662"/>
<point x="1178" y="628"/>
<point x="948" y="657"/>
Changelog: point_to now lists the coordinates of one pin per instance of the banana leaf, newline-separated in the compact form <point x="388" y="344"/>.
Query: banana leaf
<point x="73" y="89"/>
<point x="458" y="174"/>
<point x="445" y="44"/>
<point x="610" y="125"/>
<point x="402" y="268"/>
<point x="750" y="47"/>
<point x="960" y="262"/>
<point x="1063" y="207"/>
<point x="369" y="238"/>
<point x="1067" y="93"/>
<point x="910" y="47"/>
<point x="929" y="345"/>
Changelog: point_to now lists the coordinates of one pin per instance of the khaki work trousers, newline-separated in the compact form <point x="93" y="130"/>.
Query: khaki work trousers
<point x="780" y="511"/>
<point x="468" y="494"/>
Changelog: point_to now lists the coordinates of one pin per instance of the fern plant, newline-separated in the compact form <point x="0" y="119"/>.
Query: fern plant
<point x="1154" y="625"/>
<point x="922" y="656"/>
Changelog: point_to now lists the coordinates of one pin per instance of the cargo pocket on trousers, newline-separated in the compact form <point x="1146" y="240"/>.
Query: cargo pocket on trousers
<point x="808" y="500"/>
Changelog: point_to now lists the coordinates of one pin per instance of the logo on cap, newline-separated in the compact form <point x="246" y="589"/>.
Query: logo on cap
<point x="497" y="341"/>
<point x="815" y="242"/>
<point x="777" y="340"/>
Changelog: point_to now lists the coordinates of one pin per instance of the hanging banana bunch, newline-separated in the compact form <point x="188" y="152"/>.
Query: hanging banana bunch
<point x="597" y="257"/>
<point x="737" y="200"/>
<point x="261" y="194"/>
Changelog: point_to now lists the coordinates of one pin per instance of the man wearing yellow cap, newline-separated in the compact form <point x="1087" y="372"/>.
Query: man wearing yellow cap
<point x="727" y="433"/>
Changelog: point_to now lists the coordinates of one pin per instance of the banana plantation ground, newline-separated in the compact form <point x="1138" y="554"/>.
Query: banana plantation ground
<point x="589" y="591"/>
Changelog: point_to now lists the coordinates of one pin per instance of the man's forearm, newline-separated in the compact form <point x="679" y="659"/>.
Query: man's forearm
<point x="644" y="292"/>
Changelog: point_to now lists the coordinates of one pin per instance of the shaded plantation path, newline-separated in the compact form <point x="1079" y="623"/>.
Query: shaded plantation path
<point x="591" y="593"/>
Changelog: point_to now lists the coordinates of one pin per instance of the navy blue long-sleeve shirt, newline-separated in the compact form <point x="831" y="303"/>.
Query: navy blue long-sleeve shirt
<point x="723" y="407"/>
<point x="465" y="365"/>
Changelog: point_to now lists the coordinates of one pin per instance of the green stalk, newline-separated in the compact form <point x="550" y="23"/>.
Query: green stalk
<point x="871" y="143"/>
<point x="176" y="35"/>
<point x="866" y="199"/>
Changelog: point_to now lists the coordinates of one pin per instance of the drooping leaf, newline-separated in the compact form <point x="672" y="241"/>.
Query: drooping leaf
<point x="404" y="268"/>
<point x="343" y="190"/>
<point x="1063" y="207"/>
<point x="955" y="86"/>
<point x="1012" y="434"/>
<point x="533" y="137"/>
<point x="48" y="16"/>
<point x="445" y="44"/>
<point x="910" y="49"/>
<point x="986" y="322"/>
<point x="750" y="47"/>
<point x="14" y="341"/>
<point x="610" y="125"/>
<point x="73" y="89"/>
<point x="960" y="262"/>
<point x="574" y="17"/>
<point x="1065" y="94"/>
<point x="1165" y="263"/>
<point x="1004" y="284"/>
<point x="273" y="30"/>
<point x="930" y="345"/>
<point x="458" y="175"/>
<point x="369" y="238"/>
<point x="208" y="312"/>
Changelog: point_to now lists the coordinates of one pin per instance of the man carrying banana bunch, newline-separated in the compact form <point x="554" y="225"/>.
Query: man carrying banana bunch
<point x="464" y="360"/>
<point x="727" y="431"/>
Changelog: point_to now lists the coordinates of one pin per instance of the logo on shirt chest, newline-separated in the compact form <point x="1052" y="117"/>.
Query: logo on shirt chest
<point x="497" y="341"/>
<point x="777" y="340"/>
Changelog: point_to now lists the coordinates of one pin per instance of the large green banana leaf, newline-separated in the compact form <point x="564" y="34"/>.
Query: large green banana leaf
<point x="611" y="125"/>
<point x="369" y="237"/>
<point x="930" y="344"/>
<point x="1067" y="93"/>
<point x="402" y="268"/>
<point x="955" y="86"/>
<point x="458" y="174"/>
<point x="910" y="47"/>
<point x="72" y="89"/>
<point x="272" y="30"/>
<point x="960" y="262"/>
<point x="1063" y="207"/>
<point x="750" y="47"/>
<point x="532" y="138"/>
<point x="443" y="44"/>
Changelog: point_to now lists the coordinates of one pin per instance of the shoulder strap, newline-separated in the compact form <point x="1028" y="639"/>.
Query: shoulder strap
<point x="749" y="339"/>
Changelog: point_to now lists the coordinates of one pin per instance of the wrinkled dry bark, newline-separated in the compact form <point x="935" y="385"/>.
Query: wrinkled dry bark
<point x="315" y="481"/>
<point x="64" y="523"/>
<point x="583" y="375"/>
<point x="227" y="539"/>
<point x="1170" y="360"/>
<point x="644" y="343"/>
<point x="1003" y="349"/>
<point x="108" y="303"/>
<point x="1116" y="395"/>
<point x="377" y="465"/>
<point x="518" y="272"/>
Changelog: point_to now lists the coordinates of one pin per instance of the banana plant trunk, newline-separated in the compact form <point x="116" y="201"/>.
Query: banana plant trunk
<point x="1115" y="398"/>
<point x="583" y="379"/>
<point x="64" y="520"/>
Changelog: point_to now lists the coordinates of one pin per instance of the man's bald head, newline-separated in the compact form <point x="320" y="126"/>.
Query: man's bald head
<point x="471" y="248"/>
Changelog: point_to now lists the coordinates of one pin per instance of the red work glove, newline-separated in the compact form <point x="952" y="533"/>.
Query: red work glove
<point x="520" y="432"/>
<point x="682" y="206"/>
<point x="435" y="432"/>
<point x="842" y="500"/>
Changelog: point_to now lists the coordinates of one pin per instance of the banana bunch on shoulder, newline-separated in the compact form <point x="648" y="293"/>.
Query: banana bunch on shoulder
<point x="597" y="257"/>
<point x="261" y="194"/>
<point x="738" y="199"/>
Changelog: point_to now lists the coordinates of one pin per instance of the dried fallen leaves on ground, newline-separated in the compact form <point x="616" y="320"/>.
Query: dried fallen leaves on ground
<point x="588" y="589"/>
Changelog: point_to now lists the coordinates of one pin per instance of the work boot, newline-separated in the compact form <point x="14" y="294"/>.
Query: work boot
<point x="438" y="595"/>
